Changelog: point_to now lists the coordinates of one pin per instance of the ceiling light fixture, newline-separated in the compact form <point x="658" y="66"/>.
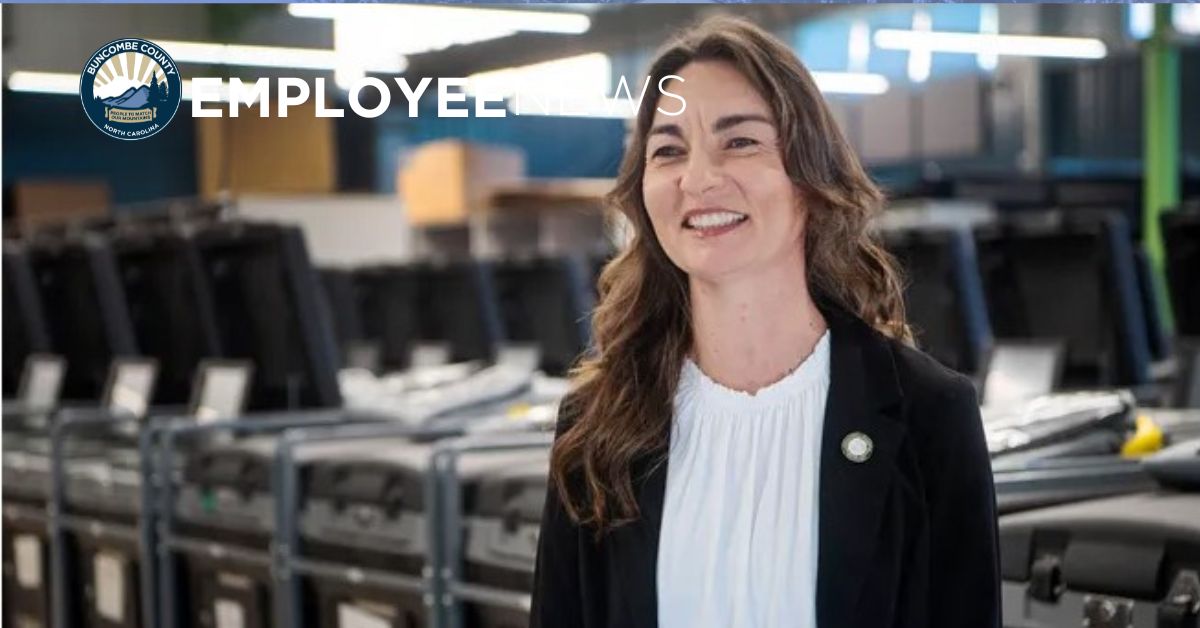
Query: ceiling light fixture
<point x="986" y="44"/>
<point x="68" y="84"/>
<point x="44" y="82"/>
<point x="860" y="83"/>
<point x="424" y="17"/>
<point x="273" y="56"/>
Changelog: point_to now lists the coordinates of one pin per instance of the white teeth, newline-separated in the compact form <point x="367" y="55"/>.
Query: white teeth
<point x="711" y="221"/>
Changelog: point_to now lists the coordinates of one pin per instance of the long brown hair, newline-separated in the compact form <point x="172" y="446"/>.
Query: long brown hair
<point x="621" y="395"/>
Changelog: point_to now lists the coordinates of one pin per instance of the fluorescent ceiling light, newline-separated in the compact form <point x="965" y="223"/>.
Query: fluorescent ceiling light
<point x="424" y="17"/>
<point x="273" y="57"/>
<point x="985" y="44"/>
<point x="1141" y="20"/>
<point x="221" y="93"/>
<point x="1185" y="18"/>
<point x="989" y="24"/>
<point x="610" y="108"/>
<point x="851" y="83"/>
<point x="381" y="31"/>
<point x="859" y="46"/>
<point x="68" y="84"/>
<point x="920" y="60"/>
<point x="590" y="73"/>
<point x="44" y="82"/>
<point x="576" y="86"/>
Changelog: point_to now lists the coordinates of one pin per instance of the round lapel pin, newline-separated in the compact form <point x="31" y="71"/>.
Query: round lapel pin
<point x="857" y="447"/>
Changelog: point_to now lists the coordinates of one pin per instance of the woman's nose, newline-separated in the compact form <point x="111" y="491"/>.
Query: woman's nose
<point x="701" y="174"/>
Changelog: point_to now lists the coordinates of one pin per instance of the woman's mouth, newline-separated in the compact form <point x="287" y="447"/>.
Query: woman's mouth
<point x="708" y="224"/>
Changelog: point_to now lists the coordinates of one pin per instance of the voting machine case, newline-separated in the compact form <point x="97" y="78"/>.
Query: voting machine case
<point x="101" y="510"/>
<point x="364" y="512"/>
<point x="503" y="512"/>
<point x="225" y="522"/>
<point x="366" y="542"/>
<point x="1122" y="562"/>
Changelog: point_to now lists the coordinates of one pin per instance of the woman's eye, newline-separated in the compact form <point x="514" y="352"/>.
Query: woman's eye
<point x="667" y="151"/>
<point x="741" y="142"/>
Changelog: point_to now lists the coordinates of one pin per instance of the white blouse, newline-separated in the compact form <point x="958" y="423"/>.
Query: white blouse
<point x="739" y="538"/>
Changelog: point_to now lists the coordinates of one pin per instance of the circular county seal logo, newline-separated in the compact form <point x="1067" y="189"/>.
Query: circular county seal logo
<point x="130" y="89"/>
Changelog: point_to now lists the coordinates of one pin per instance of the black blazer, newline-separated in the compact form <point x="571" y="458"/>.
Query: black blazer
<point x="907" y="537"/>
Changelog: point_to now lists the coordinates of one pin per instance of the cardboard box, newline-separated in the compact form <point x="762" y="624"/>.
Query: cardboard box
<point x="254" y="155"/>
<point x="443" y="182"/>
<point x="551" y="194"/>
<point x="43" y="203"/>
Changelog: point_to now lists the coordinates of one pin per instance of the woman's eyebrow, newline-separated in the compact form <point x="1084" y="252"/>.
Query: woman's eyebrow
<point x="666" y="129"/>
<point x="728" y="122"/>
<point x="722" y="124"/>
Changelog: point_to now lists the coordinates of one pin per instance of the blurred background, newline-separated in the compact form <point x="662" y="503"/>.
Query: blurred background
<point x="1042" y="108"/>
<point x="299" y="371"/>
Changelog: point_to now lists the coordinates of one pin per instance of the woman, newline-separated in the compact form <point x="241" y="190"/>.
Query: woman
<point x="754" y="443"/>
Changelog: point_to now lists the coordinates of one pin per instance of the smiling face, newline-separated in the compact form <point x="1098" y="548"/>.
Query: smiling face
<point x="715" y="188"/>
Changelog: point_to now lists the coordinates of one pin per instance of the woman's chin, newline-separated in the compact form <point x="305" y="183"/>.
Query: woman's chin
<point x="714" y="269"/>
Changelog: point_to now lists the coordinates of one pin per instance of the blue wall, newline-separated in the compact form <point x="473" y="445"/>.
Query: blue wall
<point x="48" y="136"/>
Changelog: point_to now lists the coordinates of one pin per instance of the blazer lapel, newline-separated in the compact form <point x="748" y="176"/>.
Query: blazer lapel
<point x="863" y="387"/>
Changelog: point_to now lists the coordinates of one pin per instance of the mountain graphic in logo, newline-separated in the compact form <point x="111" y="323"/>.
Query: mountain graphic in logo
<point x="131" y="99"/>
<point x="130" y="89"/>
<point x="132" y="84"/>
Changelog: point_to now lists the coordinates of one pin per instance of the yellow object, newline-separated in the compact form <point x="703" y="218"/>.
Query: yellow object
<point x="1147" y="438"/>
<point x="518" y="410"/>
